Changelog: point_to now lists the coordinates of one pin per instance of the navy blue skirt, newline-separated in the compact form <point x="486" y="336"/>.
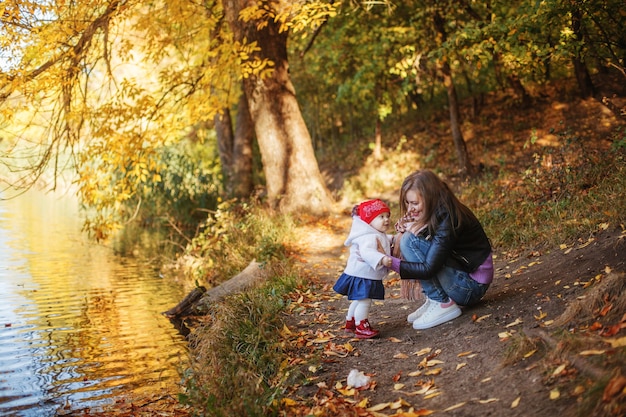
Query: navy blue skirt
<point x="359" y="288"/>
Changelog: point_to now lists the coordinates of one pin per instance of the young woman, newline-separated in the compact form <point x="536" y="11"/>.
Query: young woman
<point x="443" y="246"/>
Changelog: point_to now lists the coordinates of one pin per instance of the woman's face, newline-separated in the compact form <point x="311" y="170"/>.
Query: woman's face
<point x="414" y="204"/>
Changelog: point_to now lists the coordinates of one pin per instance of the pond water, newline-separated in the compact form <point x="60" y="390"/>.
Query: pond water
<point x="79" y="326"/>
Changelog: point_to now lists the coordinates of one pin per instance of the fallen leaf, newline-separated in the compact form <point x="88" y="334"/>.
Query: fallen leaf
<point x="363" y="403"/>
<point x="515" y="402"/>
<point x="419" y="413"/>
<point x="454" y="407"/>
<point x="394" y="340"/>
<point x="595" y="326"/>
<point x="415" y="373"/>
<point x="555" y="394"/>
<point x="612" y="330"/>
<point x="398" y="387"/>
<point x="614" y="387"/>
<point x="460" y="365"/>
<point x="617" y="342"/>
<point x="435" y="371"/>
<point x="288" y="402"/>
<point x="399" y="403"/>
<point x="605" y="310"/>
<point x="515" y="323"/>
<point x="490" y="400"/>
<point x="425" y="389"/>
<point x="592" y="352"/>
<point x="469" y="352"/>
<point x="400" y="356"/>
<point x="542" y="315"/>
<point x="422" y="352"/>
<point x="560" y="369"/>
<point x="504" y="335"/>
<point x="531" y="353"/>
<point x="481" y="318"/>
<point x="378" y="407"/>
<point x="433" y="395"/>
<point x="333" y="353"/>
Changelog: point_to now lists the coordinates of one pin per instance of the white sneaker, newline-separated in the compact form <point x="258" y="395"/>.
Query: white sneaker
<point x="414" y="315"/>
<point x="436" y="314"/>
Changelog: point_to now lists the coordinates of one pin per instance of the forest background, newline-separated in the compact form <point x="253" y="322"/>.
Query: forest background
<point x="221" y="126"/>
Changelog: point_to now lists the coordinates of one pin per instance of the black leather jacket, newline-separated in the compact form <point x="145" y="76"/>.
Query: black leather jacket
<point x="464" y="250"/>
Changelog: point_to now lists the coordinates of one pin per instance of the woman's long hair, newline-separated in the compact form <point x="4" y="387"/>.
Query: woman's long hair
<point x="437" y="197"/>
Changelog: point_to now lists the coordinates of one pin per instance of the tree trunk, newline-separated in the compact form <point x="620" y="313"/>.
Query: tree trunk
<point x="378" y="141"/>
<point x="292" y="175"/>
<point x="580" y="69"/>
<point x="235" y="149"/>
<point x="224" y="131"/>
<point x="453" y="103"/>
<point x="455" y="123"/>
<point x="243" y="184"/>
<point x="520" y="91"/>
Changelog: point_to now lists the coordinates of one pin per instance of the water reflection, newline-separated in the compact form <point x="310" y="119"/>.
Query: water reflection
<point x="78" y="326"/>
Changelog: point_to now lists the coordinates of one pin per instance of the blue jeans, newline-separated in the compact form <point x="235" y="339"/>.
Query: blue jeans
<point x="447" y="282"/>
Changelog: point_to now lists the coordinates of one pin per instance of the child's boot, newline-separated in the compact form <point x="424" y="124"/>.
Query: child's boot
<point x="364" y="331"/>
<point x="350" y="325"/>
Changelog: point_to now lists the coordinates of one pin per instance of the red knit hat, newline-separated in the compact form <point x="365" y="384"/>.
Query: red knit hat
<point x="370" y="209"/>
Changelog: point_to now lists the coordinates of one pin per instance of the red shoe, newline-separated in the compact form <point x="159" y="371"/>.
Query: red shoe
<point x="350" y="325"/>
<point x="364" y="330"/>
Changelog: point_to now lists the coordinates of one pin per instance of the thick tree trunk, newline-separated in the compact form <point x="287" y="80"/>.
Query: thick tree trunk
<point x="293" y="179"/>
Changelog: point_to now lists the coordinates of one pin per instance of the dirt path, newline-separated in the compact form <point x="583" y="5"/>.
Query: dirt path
<point x="500" y="358"/>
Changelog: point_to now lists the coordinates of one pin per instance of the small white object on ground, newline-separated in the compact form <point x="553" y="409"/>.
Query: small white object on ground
<point x="357" y="379"/>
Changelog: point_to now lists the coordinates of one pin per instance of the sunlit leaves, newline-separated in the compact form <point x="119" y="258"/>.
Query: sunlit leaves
<point x="293" y="16"/>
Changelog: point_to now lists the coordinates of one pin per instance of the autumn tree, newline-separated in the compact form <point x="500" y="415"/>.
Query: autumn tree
<point x="109" y="82"/>
<point x="293" y="179"/>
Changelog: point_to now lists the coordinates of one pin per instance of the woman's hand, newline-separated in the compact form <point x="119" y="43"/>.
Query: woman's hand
<point x="408" y="224"/>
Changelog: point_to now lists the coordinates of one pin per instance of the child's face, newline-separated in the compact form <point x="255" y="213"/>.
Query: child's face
<point x="414" y="205"/>
<point x="381" y="222"/>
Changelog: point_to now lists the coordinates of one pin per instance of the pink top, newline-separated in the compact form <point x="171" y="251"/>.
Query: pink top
<point x="484" y="273"/>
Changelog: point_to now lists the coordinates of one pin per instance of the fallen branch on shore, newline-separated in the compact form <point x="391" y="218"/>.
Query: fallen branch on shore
<point x="198" y="301"/>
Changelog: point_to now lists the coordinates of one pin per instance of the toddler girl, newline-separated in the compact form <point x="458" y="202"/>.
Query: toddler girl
<point x="362" y="277"/>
